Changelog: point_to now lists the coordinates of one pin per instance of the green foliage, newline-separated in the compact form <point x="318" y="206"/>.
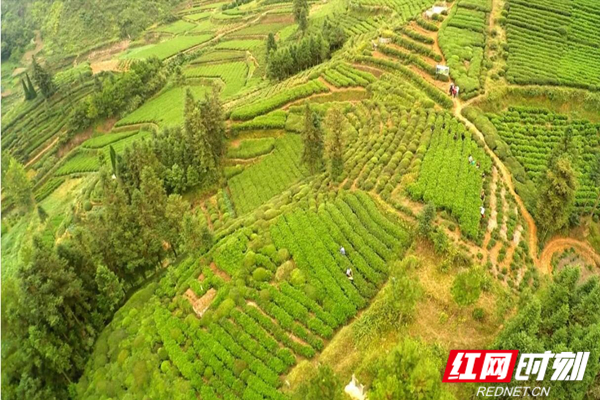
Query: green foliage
<point x="270" y="176"/>
<point x="411" y="370"/>
<point x="446" y="174"/>
<point x="263" y="106"/>
<point x="335" y="142"/>
<point x="562" y="318"/>
<point x="542" y="31"/>
<point x="466" y="288"/>
<point x="43" y="79"/>
<point x="426" y="220"/>
<point x="252" y="148"/>
<point x="312" y="137"/>
<point x="286" y="61"/>
<point x="324" y="385"/>
<point x="556" y="195"/>
<point x="17" y="185"/>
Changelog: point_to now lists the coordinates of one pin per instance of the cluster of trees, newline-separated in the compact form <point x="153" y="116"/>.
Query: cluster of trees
<point x="64" y="294"/>
<point x="16" y="184"/>
<point x="118" y="93"/>
<point x="28" y="89"/>
<point x="557" y="187"/>
<point x="564" y="317"/>
<point x="43" y="79"/>
<point x="181" y="157"/>
<point x="412" y="370"/>
<point x="310" y="51"/>
<point x="300" y="9"/>
<point x="17" y="31"/>
<point x="316" y="145"/>
<point x="52" y="312"/>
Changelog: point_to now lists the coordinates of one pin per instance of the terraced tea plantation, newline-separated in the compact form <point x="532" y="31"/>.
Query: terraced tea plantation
<point x="276" y="199"/>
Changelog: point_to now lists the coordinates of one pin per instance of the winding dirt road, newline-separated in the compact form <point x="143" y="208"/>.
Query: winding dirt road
<point x="543" y="262"/>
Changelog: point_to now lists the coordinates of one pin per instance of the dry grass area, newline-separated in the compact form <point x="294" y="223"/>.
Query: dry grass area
<point x="438" y="320"/>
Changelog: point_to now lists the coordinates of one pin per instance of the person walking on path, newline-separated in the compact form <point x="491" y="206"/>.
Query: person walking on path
<point x="451" y="92"/>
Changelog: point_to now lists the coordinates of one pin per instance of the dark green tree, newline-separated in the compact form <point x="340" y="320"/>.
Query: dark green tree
<point x="42" y="214"/>
<point x="300" y="11"/>
<point x="172" y="227"/>
<point x="410" y="371"/>
<point x="466" y="288"/>
<point x="426" y="219"/>
<point x="26" y="93"/>
<point x="213" y="121"/>
<point x="110" y="291"/>
<point x="565" y="317"/>
<point x="43" y="79"/>
<point x="312" y="137"/>
<point x="557" y="195"/>
<point x="335" y="145"/>
<point x="30" y="88"/>
<point x="18" y="186"/>
<point x="271" y="44"/>
<point x="324" y="385"/>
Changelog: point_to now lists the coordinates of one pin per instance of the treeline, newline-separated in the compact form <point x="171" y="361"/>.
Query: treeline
<point x="115" y="94"/>
<point x="310" y="51"/>
<point x="181" y="157"/>
<point x="64" y="294"/>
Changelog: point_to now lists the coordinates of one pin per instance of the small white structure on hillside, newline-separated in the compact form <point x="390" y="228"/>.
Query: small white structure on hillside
<point x="355" y="389"/>
<point x="442" y="70"/>
<point x="435" y="10"/>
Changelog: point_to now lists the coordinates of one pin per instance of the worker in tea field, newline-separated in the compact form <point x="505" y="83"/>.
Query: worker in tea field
<point x="451" y="92"/>
<point x="456" y="90"/>
<point x="471" y="160"/>
<point x="342" y="251"/>
<point x="349" y="275"/>
<point x="482" y="209"/>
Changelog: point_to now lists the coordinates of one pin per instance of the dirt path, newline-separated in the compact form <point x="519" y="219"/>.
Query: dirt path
<point x="563" y="243"/>
<point x="39" y="45"/>
<point x="506" y="178"/>
<point x="493" y="222"/>
<point x="41" y="153"/>
<point x="554" y="245"/>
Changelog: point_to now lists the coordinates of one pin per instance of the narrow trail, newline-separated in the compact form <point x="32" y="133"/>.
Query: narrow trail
<point x="41" y="153"/>
<point x="563" y="243"/>
<point x="555" y="244"/>
<point x="507" y="178"/>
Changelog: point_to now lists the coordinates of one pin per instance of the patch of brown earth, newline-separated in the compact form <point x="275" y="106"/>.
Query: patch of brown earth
<point x="200" y="305"/>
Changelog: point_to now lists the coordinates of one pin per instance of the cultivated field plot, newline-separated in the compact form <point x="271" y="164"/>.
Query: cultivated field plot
<point x="272" y="175"/>
<point x="243" y="354"/>
<point x="165" y="109"/>
<point x="176" y="27"/>
<point x="555" y="43"/>
<point x="405" y="8"/>
<point x="532" y="134"/>
<point x="167" y="48"/>
<point x="88" y="160"/>
<point x="233" y="74"/>
<point x="448" y="179"/>
<point x="462" y="39"/>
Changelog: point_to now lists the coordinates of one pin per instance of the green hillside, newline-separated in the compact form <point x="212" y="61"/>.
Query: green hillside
<point x="265" y="199"/>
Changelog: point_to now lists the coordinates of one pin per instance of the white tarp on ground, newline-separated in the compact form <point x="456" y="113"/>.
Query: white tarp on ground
<point x="355" y="389"/>
<point x="435" y="10"/>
